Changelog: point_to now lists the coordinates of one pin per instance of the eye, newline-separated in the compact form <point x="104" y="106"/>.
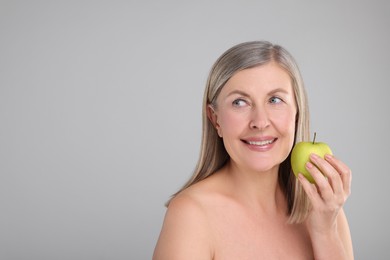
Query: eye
<point x="239" y="102"/>
<point x="275" y="100"/>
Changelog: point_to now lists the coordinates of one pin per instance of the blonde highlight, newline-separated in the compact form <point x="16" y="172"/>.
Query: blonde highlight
<point x="213" y="154"/>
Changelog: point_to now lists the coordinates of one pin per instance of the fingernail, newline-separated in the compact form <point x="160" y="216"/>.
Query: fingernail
<point x="328" y="156"/>
<point x="314" y="156"/>
<point x="309" y="165"/>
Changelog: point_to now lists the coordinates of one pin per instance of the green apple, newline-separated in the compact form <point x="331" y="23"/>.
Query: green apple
<point x="300" y="156"/>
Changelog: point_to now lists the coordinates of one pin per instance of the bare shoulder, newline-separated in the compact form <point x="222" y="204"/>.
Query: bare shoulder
<point x="185" y="233"/>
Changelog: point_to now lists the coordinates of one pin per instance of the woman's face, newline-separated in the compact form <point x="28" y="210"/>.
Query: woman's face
<point x="255" y="116"/>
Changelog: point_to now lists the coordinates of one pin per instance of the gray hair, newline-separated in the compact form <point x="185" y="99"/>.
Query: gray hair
<point x="213" y="154"/>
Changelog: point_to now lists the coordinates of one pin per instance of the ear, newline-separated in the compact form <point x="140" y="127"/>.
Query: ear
<point x="213" y="117"/>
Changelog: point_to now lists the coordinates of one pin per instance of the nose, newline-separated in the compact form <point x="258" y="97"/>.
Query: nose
<point x="259" y="119"/>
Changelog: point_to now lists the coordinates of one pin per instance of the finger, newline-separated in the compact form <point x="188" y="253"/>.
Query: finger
<point x="323" y="186"/>
<point x="310" y="190"/>
<point x="344" y="171"/>
<point x="331" y="173"/>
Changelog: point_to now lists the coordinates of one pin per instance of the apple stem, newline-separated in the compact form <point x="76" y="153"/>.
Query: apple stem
<point x="314" y="139"/>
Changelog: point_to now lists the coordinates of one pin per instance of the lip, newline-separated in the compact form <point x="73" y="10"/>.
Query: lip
<point x="260" y="144"/>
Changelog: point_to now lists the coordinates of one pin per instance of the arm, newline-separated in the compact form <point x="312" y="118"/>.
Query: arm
<point x="327" y="223"/>
<point x="335" y="244"/>
<point x="185" y="233"/>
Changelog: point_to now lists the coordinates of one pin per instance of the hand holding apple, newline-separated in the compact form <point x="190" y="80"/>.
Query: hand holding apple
<point x="301" y="153"/>
<point x="332" y="187"/>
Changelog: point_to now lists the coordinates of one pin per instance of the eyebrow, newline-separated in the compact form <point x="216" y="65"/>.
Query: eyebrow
<point x="239" y="92"/>
<point x="242" y="93"/>
<point x="279" y="90"/>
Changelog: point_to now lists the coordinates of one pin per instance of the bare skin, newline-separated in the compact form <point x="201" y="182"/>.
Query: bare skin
<point x="217" y="219"/>
<point x="239" y="226"/>
<point x="240" y="212"/>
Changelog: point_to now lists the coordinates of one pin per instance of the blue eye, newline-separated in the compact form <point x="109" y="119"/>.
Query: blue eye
<point x="239" y="103"/>
<point x="275" y="100"/>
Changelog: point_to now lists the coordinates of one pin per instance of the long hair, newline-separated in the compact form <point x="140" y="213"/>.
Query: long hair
<point x="213" y="154"/>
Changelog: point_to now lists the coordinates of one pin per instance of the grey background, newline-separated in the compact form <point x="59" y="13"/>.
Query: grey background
<point x="100" y="112"/>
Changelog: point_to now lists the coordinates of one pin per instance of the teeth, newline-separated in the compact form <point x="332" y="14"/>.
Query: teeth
<point x="261" y="142"/>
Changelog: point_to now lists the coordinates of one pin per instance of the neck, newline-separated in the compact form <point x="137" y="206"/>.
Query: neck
<point x="259" y="190"/>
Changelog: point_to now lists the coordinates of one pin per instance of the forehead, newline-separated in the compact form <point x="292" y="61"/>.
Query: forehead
<point x="262" y="78"/>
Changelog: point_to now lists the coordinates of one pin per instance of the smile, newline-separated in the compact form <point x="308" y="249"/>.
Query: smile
<point x="260" y="143"/>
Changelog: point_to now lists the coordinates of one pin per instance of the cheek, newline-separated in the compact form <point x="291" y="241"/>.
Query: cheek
<point x="286" y="122"/>
<point x="232" y="122"/>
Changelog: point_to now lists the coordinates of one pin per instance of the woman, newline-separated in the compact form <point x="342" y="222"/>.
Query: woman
<point x="243" y="201"/>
